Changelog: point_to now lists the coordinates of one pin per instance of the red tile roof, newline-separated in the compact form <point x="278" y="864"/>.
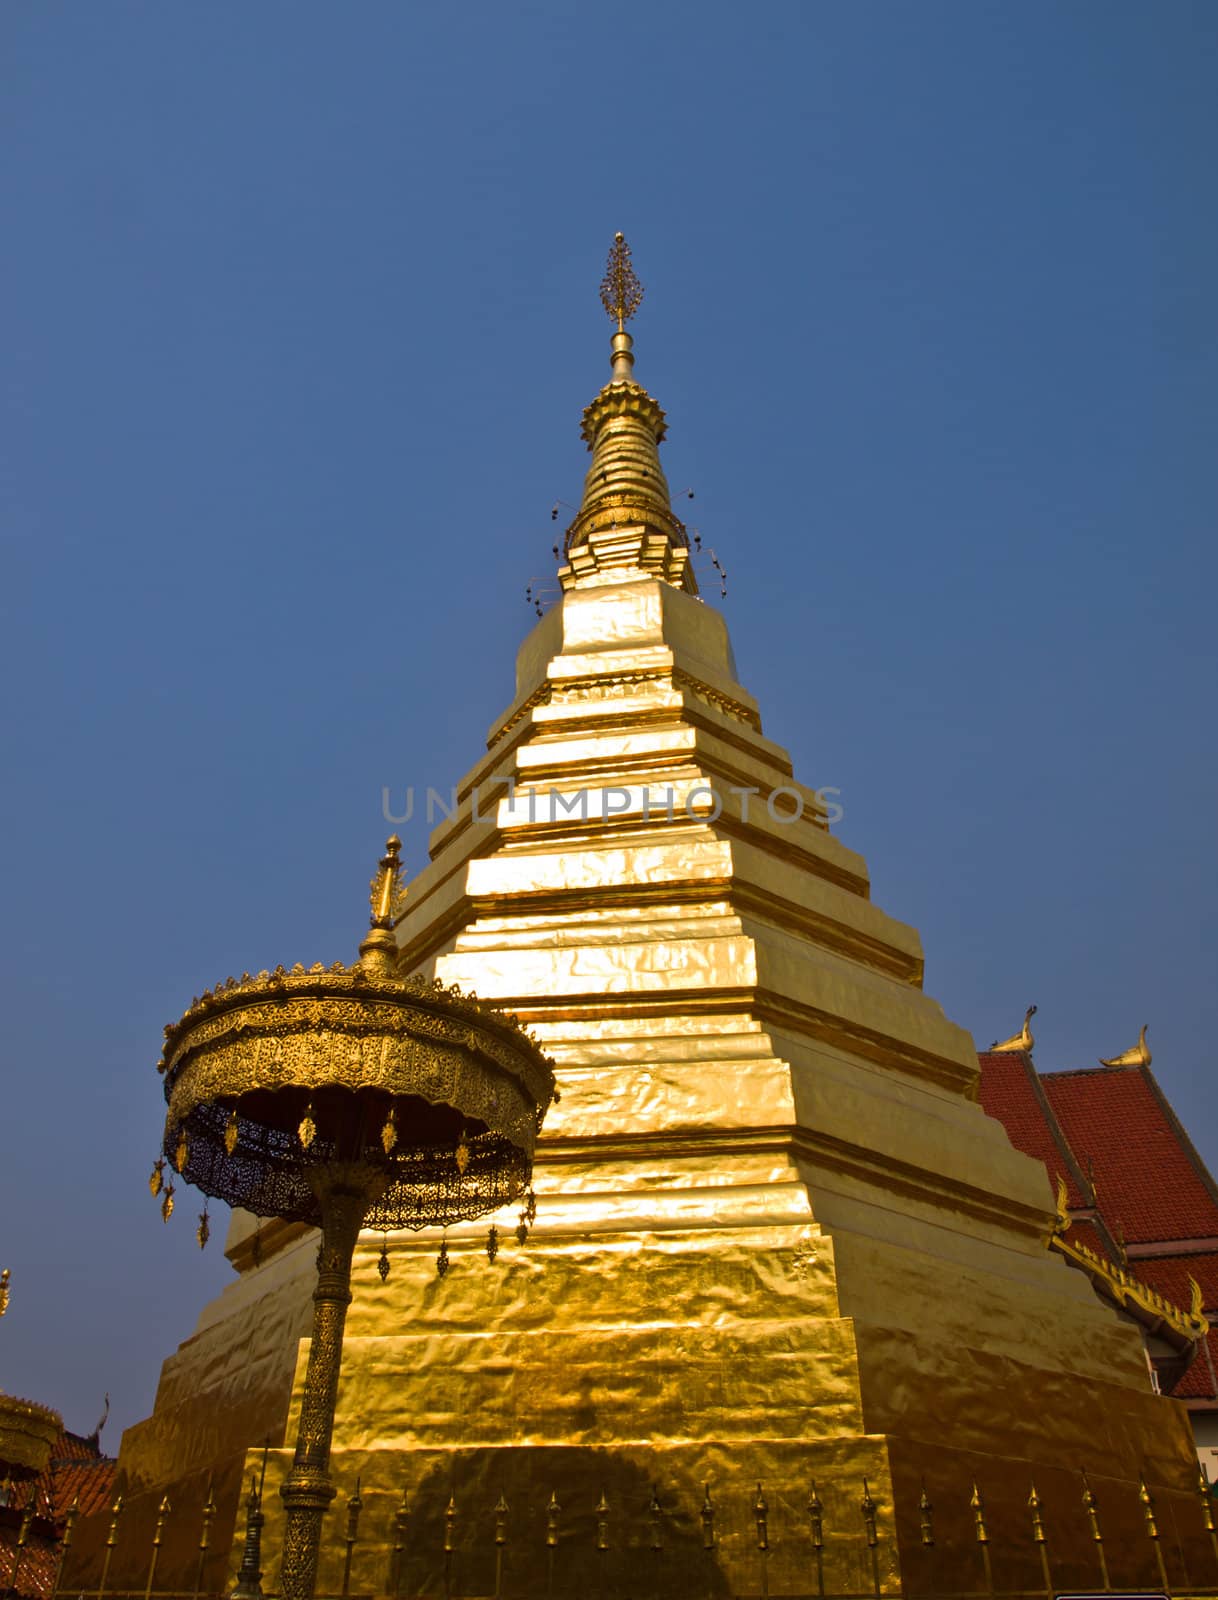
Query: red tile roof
<point x="1147" y="1180"/>
<point x="1150" y="1184"/>
<point x="77" y="1468"/>
<point x="1008" y="1092"/>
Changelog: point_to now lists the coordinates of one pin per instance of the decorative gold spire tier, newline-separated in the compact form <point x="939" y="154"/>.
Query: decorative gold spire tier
<point x="625" y="520"/>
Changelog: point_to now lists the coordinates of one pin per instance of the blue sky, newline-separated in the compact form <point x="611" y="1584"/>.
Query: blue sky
<point x="300" y="315"/>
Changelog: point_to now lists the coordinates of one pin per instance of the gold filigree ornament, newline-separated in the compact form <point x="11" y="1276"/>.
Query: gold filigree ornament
<point x="621" y="291"/>
<point x="156" y="1178"/>
<point x="492" y="1242"/>
<point x="167" y="1204"/>
<point x="442" y="1262"/>
<point x="307" y="1131"/>
<point x="461" y="1156"/>
<point x="231" y="1132"/>
<point x="382" y="1263"/>
<point x="203" y="1231"/>
<point x="522" y="1230"/>
<point x="389" y="1136"/>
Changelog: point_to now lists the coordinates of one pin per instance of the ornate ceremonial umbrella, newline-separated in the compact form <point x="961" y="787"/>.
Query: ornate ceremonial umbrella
<point x="347" y="1097"/>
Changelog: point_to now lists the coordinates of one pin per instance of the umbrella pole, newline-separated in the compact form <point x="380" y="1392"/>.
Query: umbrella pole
<point x="307" y="1492"/>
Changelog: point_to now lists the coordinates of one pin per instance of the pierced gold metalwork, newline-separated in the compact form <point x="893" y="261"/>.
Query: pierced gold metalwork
<point x="621" y="291"/>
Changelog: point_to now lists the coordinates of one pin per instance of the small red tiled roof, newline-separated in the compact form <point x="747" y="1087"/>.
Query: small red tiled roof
<point x="1147" y="1180"/>
<point x="77" y="1468"/>
<point x="1008" y="1093"/>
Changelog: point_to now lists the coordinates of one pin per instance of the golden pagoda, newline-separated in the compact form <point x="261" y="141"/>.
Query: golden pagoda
<point x="782" y="1263"/>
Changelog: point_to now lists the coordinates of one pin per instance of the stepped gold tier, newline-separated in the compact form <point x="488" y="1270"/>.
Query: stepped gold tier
<point x="777" y="1241"/>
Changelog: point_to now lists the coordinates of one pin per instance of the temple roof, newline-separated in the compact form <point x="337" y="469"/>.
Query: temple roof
<point x="1148" y="1177"/>
<point x="78" y="1472"/>
<point x="1139" y="1197"/>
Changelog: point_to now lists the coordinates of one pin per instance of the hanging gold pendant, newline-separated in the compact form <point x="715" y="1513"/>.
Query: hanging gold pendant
<point x="203" y="1231"/>
<point x="167" y="1204"/>
<point x="231" y="1132"/>
<point x="308" y="1128"/>
<point x="389" y="1135"/>
<point x="530" y="1210"/>
<point x="462" y="1156"/>
<point x="382" y="1265"/>
<point x="492" y="1243"/>
<point x="156" y="1179"/>
<point x="522" y="1230"/>
<point x="442" y="1258"/>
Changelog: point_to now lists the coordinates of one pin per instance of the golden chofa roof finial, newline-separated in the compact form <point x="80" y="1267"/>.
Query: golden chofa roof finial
<point x="1022" y="1040"/>
<point x="1138" y="1055"/>
<point x="387" y="900"/>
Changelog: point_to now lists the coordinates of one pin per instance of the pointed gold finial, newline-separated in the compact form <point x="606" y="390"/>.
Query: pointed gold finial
<point x="1022" y="1040"/>
<point x="621" y="291"/>
<point x="1138" y="1055"/>
<point x="388" y="894"/>
<point x="387" y="900"/>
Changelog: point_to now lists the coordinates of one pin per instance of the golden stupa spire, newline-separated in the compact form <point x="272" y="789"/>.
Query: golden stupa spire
<point x="625" y="519"/>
